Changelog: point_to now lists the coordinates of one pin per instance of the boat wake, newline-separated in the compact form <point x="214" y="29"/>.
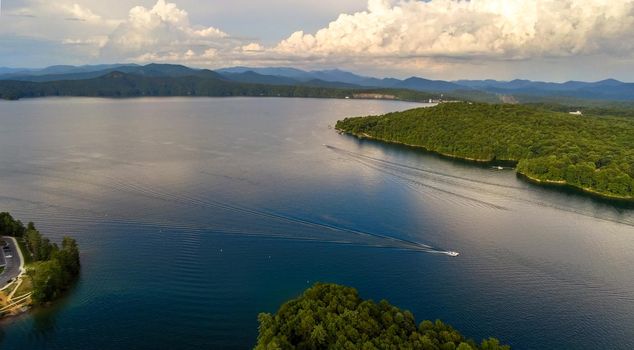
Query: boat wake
<point x="314" y="230"/>
<point x="416" y="177"/>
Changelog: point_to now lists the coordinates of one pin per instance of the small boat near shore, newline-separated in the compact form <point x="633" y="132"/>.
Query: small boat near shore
<point x="452" y="253"/>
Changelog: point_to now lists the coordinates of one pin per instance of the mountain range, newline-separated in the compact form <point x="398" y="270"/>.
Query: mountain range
<point x="522" y="90"/>
<point x="609" y="89"/>
<point x="174" y="80"/>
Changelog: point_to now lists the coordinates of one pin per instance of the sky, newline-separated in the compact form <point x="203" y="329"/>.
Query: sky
<point x="550" y="40"/>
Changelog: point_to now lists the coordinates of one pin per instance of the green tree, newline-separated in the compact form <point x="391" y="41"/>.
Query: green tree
<point x="331" y="316"/>
<point x="46" y="278"/>
<point x="9" y="226"/>
<point x="594" y="154"/>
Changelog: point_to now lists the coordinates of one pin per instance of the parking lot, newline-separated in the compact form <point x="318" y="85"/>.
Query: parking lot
<point x="10" y="257"/>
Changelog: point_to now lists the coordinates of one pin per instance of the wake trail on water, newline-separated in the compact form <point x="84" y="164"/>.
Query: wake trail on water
<point x="392" y="169"/>
<point x="423" y="170"/>
<point x="412" y="183"/>
<point x="190" y="200"/>
<point x="184" y="199"/>
<point x="383" y="166"/>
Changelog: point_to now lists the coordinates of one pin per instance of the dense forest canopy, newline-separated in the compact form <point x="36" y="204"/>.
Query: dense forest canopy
<point x="10" y="226"/>
<point x="592" y="153"/>
<point x="330" y="316"/>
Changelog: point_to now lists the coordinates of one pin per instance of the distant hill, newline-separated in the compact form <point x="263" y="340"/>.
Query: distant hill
<point x="428" y="85"/>
<point x="350" y="79"/>
<point x="525" y="91"/>
<point x="333" y="75"/>
<point x="54" y="72"/>
<point x="188" y="83"/>
<point x="531" y="91"/>
<point x="609" y="89"/>
<point x="7" y="70"/>
<point x="293" y="73"/>
<point x="81" y="73"/>
<point x="256" y="78"/>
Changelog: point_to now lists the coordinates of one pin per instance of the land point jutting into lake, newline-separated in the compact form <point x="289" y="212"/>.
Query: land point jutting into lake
<point x="594" y="154"/>
<point x="35" y="271"/>
<point x="194" y="215"/>
<point x="316" y="175"/>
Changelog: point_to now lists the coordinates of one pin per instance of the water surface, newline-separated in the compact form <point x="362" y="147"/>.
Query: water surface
<point x="194" y="215"/>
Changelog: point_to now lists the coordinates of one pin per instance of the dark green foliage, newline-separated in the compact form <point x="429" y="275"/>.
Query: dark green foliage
<point x="54" y="269"/>
<point x="46" y="278"/>
<point x="329" y="316"/>
<point x="118" y="84"/>
<point x="595" y="154"/>
<point x="10" y="227"/>
<point x="39" y="247"/>
<point x="54" y="275"/>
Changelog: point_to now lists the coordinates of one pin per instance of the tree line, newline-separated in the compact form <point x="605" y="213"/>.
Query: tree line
<point x="330" y="316"/>
<point x="118" y="84"/>
<point x="592" y="153"/>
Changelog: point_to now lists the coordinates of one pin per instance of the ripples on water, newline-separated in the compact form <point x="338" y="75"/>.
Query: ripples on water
<point x="195" y="214"/>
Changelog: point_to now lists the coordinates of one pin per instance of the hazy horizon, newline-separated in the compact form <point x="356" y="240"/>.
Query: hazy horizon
<point x="549" y="40"/>
<point x="16" y="70"/>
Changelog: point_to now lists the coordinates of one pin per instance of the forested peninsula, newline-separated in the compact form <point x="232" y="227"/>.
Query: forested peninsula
<point x="330" y="316"/>
<point x="47" y="270"/>
<point x="591" y="153"/>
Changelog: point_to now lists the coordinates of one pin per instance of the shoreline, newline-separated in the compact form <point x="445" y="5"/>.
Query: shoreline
<point x="507" y="162"/>
<point x="562" y="183"/>
<point x="585" y="190"/>
<point x="114" y="97"/>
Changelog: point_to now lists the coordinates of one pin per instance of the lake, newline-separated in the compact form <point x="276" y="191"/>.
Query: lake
<point x="193" y="215"/>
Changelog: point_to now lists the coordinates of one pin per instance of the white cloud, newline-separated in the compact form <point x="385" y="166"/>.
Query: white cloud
<point x="81" y="13"/>
<point x="253" y="47"/>
<point x="209" y="53"/>
<point x="159" y="32"/>
<point x="493" y="29"/>
<point x="436" y="38"/>
<point x="97" y="41"/>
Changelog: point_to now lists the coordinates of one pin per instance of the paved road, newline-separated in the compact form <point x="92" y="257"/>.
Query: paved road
<point x="12" y="270"/>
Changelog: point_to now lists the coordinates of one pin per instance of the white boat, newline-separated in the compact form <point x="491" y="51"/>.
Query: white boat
<point x="452" y="253"/>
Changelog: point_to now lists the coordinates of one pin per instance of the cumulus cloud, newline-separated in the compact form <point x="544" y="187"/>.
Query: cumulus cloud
<point x="253" y="47"/>
<point x="162" y="32"/>
<point x="495" y="29"/>
<point x="436" y="38"/>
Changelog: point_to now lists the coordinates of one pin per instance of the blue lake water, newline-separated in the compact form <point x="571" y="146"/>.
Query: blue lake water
<point x="194" y="215"/>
